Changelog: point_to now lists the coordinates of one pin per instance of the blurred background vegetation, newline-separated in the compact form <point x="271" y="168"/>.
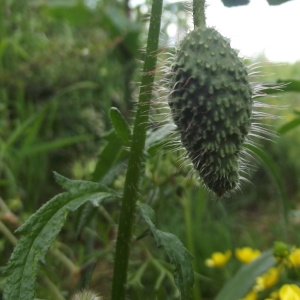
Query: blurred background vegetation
<point x="63" y="64"/>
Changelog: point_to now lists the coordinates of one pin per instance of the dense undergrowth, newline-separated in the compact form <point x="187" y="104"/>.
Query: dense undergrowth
<point x="62" y="68"/>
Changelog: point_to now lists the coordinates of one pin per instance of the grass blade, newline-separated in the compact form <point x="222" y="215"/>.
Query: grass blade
<point x="244" y="279"/>
<point x="289" y="126"/>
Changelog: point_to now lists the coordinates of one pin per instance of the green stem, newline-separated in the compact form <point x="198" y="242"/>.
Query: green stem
<point x="52" y="288"/>
<point x="6" y="232"/>
<point x="73" y="269"/>
<point x="136" y="157"/>
<point x="199" y="13"/>
<point x="188" y="218"/>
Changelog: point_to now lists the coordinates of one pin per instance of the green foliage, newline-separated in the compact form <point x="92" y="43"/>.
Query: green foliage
<point x="75" y="13"/>
<point x="63" y="65"/>
<point x="40" y="231"/>
<point x="244" y="279"/>
<point x="271" y="167"/>
<point x="177" y="253"/>
<point x="121" y="126"/>
<point x="289" y="126"/>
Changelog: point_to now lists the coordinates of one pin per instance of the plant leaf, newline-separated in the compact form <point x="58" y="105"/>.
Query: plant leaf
<point x="40" y="231"/>
<point x="121" y="126"/>
<point x="79" y="185"/>
<point x="237" y="287"/>
<point x="118" y="25"/>
<point x="289" y="126"/>
<point x="50" y="146"/>
<point x="177" y="253"/>
<point x="159" y="138"/>
<point x="271" y="166"/>
<point x="75" y="13"/>
<point x="283" y="86"/>
<point x="112" y="154"/>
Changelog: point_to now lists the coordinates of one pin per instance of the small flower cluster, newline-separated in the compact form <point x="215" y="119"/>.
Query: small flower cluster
<point x="288" y="259"/>
<point x="244" y="255"/>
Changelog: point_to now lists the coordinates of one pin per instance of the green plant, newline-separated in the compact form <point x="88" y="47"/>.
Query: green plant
<point x="33" y="247"/>
<point x="263" y="275"/>
<point x="125" y="148"/>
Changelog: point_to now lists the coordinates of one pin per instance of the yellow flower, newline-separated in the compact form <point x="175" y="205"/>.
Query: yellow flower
<point x="289" y="292"/>
<point x="294" y="257"/>
<point x="246" y="254"/>
<point x="218" y="259"/>
<point x="268" y="279"/>
<point x="252" y="295"/>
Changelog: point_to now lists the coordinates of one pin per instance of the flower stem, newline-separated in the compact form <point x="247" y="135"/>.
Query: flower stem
<point x="52" y="288"/>
<point x="199" y="13"/>
<point x="6" y="232"/>
<point x="136" y="157"/>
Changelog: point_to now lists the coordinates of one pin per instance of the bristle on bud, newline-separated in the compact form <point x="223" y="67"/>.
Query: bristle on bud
<point x="211" y="104"/>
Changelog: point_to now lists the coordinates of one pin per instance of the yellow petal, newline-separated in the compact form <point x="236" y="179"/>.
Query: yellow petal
<point x="218" y="259"/>
<point x="294" y="257"/>
<point x="250" y="296"/>
<point x="267" y="280"/>
<point x="246" y="254"/>
<point x="289" y="292"/>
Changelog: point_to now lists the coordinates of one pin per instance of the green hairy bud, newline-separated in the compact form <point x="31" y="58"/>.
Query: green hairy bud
<point x="86" y="295"/>
<point x="211" y="104"/>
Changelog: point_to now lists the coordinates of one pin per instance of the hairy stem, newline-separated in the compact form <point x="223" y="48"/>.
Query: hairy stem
<point x="136" y="157"/>
<point x="199" y="13"/>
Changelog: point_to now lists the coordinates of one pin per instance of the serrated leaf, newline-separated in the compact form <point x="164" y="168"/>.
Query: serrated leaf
<point x="40" y="231"/>
<point x="175" y="250"/>
<point x="79" y="185"/>
<point x="237" y="287"/>
<point x="121" y="126"/>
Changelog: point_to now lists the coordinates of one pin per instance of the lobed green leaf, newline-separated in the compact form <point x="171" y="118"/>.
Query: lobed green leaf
<point x="177" y="253"/>
<point x="40" y="231"/>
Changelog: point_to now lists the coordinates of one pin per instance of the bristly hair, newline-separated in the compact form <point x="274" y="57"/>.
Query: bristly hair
<point x="86" y="295"/>
<point x="161" y="114"/>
